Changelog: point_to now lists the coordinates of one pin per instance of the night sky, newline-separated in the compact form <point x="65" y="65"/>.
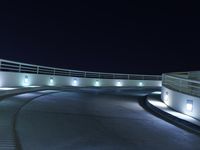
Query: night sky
<point x="106" y="36"/>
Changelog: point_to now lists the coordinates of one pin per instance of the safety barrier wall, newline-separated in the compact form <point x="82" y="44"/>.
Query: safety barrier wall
<point x="22" y="74"/>
<point x="181" y="93"/>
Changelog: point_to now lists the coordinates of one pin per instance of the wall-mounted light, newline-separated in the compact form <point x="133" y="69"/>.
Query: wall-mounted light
<point x="157" y="92"/>
<point x="51" y="81"/>
<point x="26" y="80"/>
<point x="140" y="84"/>
<point x="75" y="82"/>
<point x="189" y="105"/>
<point x="119" y="83"/>
<point x="96" y="83"/>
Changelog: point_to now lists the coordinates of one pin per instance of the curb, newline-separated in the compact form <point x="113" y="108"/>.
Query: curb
<point x="173" y="119"/>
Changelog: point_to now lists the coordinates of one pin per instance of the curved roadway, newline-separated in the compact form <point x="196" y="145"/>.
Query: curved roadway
<point x="93" y="119"/>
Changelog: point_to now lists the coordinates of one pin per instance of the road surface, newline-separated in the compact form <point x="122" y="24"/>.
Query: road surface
<point x="91" y="119"/>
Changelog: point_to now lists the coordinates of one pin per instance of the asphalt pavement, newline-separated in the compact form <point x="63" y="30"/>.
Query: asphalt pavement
<point x="89" y="119"/>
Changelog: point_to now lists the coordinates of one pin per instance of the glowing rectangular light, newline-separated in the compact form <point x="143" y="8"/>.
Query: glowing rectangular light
<point x="157" y="92"/>
<point x="119" y="83"/>
<point x="26" y="79"/>
<point x="51" y="80"/>
<point x="97" y="83"/>
<point x="189" y="105"/>
<point x="140" y="84"/>
<point x="75" y="82"/>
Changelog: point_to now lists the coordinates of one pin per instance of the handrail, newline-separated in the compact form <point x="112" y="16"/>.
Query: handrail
<point x="12" y="66"/>
<point x="181" y="84"/>
<point x="181" y="78"/>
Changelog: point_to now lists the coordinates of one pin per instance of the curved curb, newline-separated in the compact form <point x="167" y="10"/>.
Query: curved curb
<point x="9" y="139"/>
<point x="17" y="139"/>
<point x="172" y="119"/>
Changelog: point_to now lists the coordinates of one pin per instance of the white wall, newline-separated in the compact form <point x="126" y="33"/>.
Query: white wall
<point x="8" y="79"/>
<point x="178" y="101"/>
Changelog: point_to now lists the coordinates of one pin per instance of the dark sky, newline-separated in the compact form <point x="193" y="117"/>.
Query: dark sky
<point x="125" y="36"/>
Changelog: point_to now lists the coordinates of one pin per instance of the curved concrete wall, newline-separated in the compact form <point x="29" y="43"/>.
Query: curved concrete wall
<point x="180" y="101"/>
<point x="28" y="79"/>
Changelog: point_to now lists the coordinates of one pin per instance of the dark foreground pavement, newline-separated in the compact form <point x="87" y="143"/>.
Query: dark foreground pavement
<point x="92" y="119"/>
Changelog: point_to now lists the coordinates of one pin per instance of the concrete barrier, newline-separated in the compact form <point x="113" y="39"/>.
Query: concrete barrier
<point x="181" y="102"/>
<point x="12" y="79"/>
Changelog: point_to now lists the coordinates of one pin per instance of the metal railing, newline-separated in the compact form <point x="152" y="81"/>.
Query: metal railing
<point x="12" y="66"/>
<point x="181" y="84"/>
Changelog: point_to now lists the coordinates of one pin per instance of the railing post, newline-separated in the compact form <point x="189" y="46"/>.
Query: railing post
<point x="163" y="79"/>
<point x="181" y="88"/>
<point x="84" y="74"/>
<point x="20" y="67"/>
<point x="179" y="85"/>
<point x="54" y="71"/>
<point x="70" y="73"/>
<point x="37" y="69"/>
